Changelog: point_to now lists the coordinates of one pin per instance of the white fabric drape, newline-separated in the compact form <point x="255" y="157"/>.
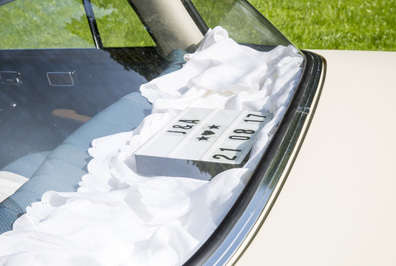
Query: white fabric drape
<point x="118" y="217"/>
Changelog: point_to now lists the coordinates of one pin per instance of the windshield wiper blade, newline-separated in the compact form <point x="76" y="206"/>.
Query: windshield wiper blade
<point x="3" y="2"/>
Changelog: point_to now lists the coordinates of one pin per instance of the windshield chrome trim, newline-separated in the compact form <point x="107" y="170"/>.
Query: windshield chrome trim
<point x="241" y="224"/>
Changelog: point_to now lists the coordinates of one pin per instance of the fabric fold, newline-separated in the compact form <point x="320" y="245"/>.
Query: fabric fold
<point x="118" y="217"/>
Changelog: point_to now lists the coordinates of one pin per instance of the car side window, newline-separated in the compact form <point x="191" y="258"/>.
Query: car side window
<point x="27" y="25"/>
<point x="243" y="28"/>
<point x="119" y="25"/>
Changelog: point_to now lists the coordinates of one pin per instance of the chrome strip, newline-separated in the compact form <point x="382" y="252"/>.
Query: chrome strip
<point x="234" y="235"/>
<point x="281" y="166"/>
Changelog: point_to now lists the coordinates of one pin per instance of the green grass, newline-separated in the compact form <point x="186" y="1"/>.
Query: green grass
<point x="128" y="25"/>
<point x="28" y="24"/>
<point x="339" y="24"/>
<point x="24" y="25"/>
<point x="319" y="24"/>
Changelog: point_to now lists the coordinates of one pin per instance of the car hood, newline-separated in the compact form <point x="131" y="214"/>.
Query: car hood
<point x="338" y="205"/>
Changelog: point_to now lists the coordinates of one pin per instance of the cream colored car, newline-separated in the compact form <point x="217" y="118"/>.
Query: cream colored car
<point x="337" y="205"/>
<point x="188" y="132"/>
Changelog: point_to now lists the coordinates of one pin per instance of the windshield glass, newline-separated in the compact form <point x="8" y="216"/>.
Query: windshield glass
<point x="243" y="23"/>
<point x="149" y="116"/>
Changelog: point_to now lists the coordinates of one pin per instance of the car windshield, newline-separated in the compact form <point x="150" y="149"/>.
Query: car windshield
<point x="107" y="96"/>
<point x="51" y="69"/>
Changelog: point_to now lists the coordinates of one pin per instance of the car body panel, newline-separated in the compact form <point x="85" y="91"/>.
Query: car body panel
<point x="337" y="206"/>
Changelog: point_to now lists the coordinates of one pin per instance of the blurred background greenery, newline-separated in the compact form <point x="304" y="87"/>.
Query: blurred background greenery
<point x="309" y="24"/>
<point x="334" y="24"/>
